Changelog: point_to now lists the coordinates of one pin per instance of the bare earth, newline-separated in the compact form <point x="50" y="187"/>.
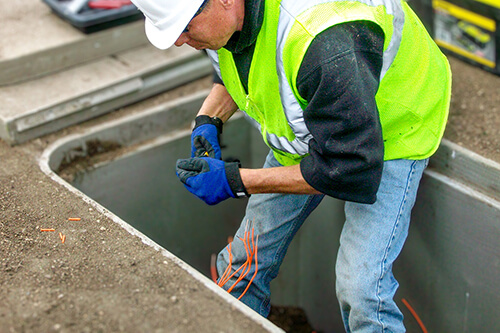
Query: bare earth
<point x="474" y="121"/>
<point x="102" y="279"/>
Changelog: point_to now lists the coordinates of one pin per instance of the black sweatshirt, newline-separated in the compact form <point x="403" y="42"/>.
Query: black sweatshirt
<point x="339" y="77"/>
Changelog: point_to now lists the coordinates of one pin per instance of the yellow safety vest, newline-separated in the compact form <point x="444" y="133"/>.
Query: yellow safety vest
<point x="415" y="84"/>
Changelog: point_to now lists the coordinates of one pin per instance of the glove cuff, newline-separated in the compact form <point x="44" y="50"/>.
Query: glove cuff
<point x="234" y="179"/>
<point x="203" y="119"/>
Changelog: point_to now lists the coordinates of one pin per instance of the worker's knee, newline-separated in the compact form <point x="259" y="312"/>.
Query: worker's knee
<point x="355" y="289"/>
<point x="366" y="301"/>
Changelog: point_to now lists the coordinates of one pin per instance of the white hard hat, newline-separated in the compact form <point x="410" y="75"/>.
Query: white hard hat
<point x="166" y="19"/>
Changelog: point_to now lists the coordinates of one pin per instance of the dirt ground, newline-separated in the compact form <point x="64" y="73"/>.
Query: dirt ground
<point x="102" y="279"/>
<point x="474" y="120"/>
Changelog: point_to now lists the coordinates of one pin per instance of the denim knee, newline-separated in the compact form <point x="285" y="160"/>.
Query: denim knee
<point x="354" y="290"/>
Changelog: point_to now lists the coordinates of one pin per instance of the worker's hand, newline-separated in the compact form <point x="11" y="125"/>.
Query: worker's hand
<point x="210" y="179"/>
<point x="205" y="142"/>
<point x="205" y="137"/>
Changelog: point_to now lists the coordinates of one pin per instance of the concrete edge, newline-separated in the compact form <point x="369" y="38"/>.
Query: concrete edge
<point x="97" y="45"/>
<point x="129" y="130"/>
<point x="461" y="164"/>
<point x="470" y="154"/>
<point x="464" y="188"/>
<point x="44" y="164"/>
<point x="92" y="104"/>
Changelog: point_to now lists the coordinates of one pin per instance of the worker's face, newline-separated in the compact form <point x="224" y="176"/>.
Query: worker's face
<point x="213" y="27"/>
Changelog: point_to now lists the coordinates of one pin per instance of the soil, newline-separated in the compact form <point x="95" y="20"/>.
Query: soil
<point x="103" y="279"/>
<point x="291" y="319"/>
<point x="474" y="121"/>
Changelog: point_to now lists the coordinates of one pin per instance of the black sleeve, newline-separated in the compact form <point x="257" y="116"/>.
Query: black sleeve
<point x="339" y="77"/>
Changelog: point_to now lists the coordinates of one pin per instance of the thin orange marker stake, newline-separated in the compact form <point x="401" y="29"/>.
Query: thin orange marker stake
<point x="74" y="219"/>
<point x="47" y="230"/>
<point x="62" y="237"/>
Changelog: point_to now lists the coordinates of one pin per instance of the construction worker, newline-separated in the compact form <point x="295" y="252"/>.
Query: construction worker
<point x="352" y="99"/>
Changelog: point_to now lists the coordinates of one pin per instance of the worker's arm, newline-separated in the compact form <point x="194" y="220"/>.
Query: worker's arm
<point x="271" y="180"/>
<point x="339" y="77"/>
<point x="218" y="104"/>
<point x="276" y="180"/>
<point x="217" y="108"/>
<point x="214" y="180"/>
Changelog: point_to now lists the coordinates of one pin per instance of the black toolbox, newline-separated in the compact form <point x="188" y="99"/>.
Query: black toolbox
<point x="88" y="20"/>
<point x="466" y="29"/>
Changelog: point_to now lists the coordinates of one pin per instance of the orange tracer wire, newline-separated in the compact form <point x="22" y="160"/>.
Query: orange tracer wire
<point x="229" y="276"/>
<point x="228" y="268"/>
<point x="245" y="266"/>
<point x="250" y="253"/>
<point x="245" y="271"/>
<point x="415" y="315"/>
<point x="256" y="269"/>
<point x="227" y="273"/>
<point x="250" y="243"/>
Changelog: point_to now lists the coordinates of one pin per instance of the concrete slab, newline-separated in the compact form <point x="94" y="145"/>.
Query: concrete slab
<point x="36" y="42"/>
<point x="44" y="105"/>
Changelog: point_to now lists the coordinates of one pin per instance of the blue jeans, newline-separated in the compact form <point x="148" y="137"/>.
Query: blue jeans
<point x="371" y="240"/>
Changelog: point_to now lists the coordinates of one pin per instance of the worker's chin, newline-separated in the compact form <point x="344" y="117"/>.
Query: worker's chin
<point x="197" y="46"/>
<point x="205" y="46"/>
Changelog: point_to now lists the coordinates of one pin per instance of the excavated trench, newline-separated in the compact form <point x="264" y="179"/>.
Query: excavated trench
<point x="447" y="271"/>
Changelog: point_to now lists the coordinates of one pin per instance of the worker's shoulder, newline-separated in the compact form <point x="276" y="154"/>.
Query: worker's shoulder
<point x="358" y="35"/>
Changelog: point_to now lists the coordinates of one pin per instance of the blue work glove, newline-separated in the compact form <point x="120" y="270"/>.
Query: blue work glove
<point x="205" y="137"/>
<point x="210" y="179"/>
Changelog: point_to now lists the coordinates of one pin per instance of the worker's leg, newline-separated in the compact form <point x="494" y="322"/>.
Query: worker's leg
<point x="275" y="219"/>
<point x="371" y="240"/>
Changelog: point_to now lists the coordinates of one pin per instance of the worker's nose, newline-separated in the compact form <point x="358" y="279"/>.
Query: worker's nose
<point x="183" y="38"/>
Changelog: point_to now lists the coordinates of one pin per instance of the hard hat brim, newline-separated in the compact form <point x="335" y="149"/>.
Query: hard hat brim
<point x="164" y="36"/>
